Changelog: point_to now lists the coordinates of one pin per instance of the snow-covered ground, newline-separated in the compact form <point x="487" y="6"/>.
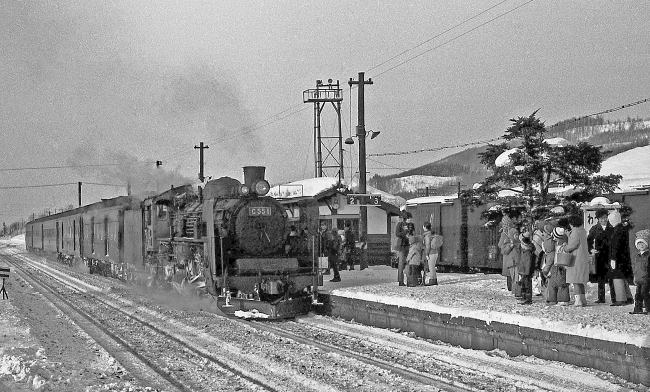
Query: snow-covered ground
<point x="485" y="297"/>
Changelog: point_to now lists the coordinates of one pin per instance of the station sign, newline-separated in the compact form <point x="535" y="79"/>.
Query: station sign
<point x="4" y="272"/>
<point x="363" y="199"/>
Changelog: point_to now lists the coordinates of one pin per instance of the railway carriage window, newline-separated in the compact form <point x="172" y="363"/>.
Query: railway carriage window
<point x="74" y="235"/>
<point x="147" y="216"/>
<point x="162" y="211"/>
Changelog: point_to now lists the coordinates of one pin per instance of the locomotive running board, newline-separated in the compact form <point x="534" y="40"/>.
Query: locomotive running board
<point x="281" y="310"/>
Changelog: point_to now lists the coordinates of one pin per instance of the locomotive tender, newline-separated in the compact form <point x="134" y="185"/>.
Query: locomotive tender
<point x="227" y="239"/>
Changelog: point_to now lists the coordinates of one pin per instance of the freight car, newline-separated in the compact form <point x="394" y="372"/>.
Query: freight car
<point x="227" y="239"/>
<point x="469" y="245"/>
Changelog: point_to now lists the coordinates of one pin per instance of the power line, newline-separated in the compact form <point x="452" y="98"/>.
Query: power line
<point x="605" y="111"/>
<point x="263" y="123"/>
<point x="495" y="139"/>
<point x="451" y="39"/>
<point x="67" y="166"/>
<point x="436" y="36"/>
<point x="61" y="184"/>
<point x="433" y="149"/>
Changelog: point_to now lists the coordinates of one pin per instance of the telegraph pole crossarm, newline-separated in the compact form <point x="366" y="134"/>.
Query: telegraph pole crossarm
<point x="201" y="147"/>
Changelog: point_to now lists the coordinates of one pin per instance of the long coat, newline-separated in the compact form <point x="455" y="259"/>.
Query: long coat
<point x="620" y="252"/>
<point x="577" y="244"/>
<point x="641" y="267"/>
<point x="600" y="239"/>
<point x="505" y="246"/>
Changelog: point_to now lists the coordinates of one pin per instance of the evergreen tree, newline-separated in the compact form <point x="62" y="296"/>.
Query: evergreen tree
<point x="535" y="166"/>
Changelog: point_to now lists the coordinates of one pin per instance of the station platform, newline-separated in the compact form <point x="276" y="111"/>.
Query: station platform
<point x="477" y="311"/>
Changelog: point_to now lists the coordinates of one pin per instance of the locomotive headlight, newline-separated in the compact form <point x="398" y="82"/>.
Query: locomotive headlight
<point x="244" y="190"/>
<point x="262" y="187"/>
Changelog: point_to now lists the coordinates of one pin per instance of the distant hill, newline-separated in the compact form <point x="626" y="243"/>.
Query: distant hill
<point x="443" y="176"/>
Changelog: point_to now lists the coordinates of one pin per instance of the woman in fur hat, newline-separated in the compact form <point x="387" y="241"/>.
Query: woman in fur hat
<point x="578" y="274"/>
<point x="640" y="266"/>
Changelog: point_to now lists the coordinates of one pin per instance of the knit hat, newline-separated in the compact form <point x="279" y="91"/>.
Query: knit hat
<point x="558" y="232"/>
<point x="642" y="236"/>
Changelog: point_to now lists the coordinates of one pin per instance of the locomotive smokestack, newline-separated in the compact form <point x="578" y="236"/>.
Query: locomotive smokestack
<point x="252" y="174"/>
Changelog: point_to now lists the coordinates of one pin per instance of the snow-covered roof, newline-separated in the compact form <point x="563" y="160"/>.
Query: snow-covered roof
<point x="562" y="191"/>
<point x="431" y="200"/>
<point x="311" y="187"/>
<point x="633" y="165"/>
<point x="308" y="187"/>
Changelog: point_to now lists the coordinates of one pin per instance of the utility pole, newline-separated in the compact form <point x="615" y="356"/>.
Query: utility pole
<point x="361" y="135"/>
<point x="201" y="147"/>
<point x="79" y="192"/>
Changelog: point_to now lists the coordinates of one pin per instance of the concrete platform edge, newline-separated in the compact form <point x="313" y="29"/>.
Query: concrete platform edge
<point x="630" y="362"/>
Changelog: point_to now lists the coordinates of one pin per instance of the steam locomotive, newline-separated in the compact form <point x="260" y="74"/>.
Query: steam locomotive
<point x="227" y="239"/>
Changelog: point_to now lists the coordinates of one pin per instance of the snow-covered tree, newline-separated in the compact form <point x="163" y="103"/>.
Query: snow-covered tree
<point x="530" y="165"/>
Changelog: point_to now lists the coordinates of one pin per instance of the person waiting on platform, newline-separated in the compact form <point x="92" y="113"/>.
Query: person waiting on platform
<point x="348" y="245"/>
<point x="598" y="241"/>
<point x="578" y="274"/>
<point x="402" y="231"/>
<point x="640" y="266"/>
<point x="414" y="262"/>
<point x="526" y="267"/>
<point x="432" y="244"/>
<point x="557" y="290"/>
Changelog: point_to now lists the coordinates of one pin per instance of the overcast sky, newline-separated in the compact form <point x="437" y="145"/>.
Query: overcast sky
<point x="127" y="83"/>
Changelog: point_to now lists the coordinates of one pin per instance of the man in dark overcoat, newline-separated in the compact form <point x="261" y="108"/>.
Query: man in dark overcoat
<point x="621" y="262"/>
<point x="404" y="229"/>
<point x="598" y="242"/>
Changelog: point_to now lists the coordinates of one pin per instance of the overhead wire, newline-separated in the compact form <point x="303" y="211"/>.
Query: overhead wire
<point x="451" y="39"/>
<point x="617" y="108"/>
<point x="263" y="123"/>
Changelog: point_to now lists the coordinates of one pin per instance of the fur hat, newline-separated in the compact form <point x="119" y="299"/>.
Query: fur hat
<point x="558" y="232"/>
<point x="642" y="236"/>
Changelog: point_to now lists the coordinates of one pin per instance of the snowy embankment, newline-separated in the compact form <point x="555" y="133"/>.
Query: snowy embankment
<point x="633" y="165"/>
<point x="486" y="298"/>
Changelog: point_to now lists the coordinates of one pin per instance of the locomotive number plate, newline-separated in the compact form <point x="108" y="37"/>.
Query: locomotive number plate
<point x="259" y="211"/>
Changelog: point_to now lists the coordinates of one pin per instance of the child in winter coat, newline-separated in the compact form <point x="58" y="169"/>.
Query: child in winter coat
<point x="558" y="289"/>
<point x="640" y="266"/>
<point x="414" y="262"/>
<point x="526" y="268"/>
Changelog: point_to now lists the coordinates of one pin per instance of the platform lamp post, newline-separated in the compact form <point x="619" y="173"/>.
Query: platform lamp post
<point x="363" y="211"/>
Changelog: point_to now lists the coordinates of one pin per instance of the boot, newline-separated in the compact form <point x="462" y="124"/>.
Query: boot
<point x="601" y="293"/>
<point x="638" y="309"/>
<point x="527" y="299"/>
<point x="578" y="300"/>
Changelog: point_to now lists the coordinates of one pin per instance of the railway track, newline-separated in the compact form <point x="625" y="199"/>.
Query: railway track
<point x="410" y="375"/>
<point x="373" y="358"/>
<point x="130" y="352"/>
